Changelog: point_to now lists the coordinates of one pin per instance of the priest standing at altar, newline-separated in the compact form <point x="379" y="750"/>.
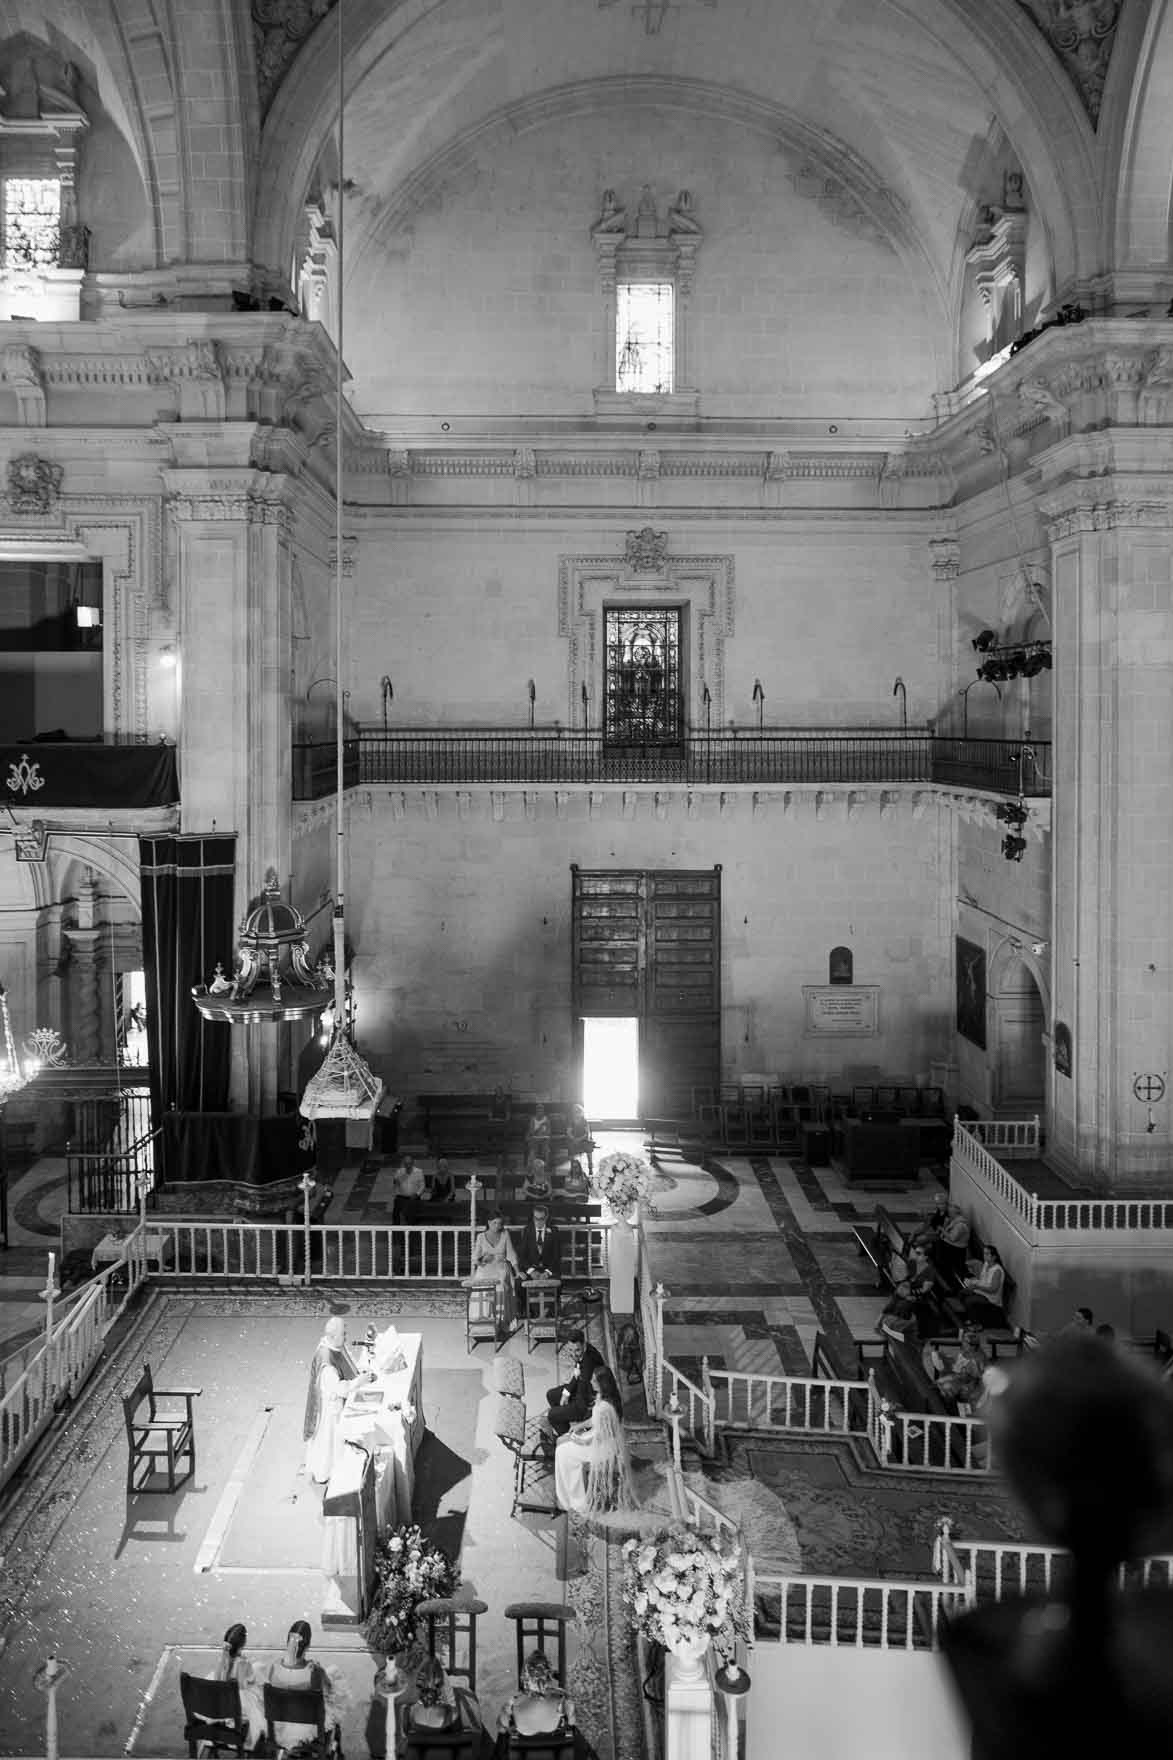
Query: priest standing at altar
<point x="331" y="1369"/>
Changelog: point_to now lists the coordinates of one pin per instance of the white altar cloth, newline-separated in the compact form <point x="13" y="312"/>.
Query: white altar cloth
<point x="386" y="1417"/>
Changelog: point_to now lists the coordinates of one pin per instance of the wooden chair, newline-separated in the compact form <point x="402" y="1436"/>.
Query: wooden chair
<point x="543" y="1309"/>
<point x="559" y="1745"/>
<point x="442" y="1744"/>
<point x="541" y="1625"/>
<point x="451" y="1634"/>
<point x="305" y="1705"/>
<point x="531" y="1465"/>
<point x="481" y="1315"/>
<point x="212" y="1714"/>
<point x="160" y="1438"/>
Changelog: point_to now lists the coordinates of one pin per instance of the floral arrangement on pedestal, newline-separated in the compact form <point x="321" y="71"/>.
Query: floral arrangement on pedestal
<point x="683" y="1589"/>
<point x="623" y="1180"/>
<point x="408" y="1569"/>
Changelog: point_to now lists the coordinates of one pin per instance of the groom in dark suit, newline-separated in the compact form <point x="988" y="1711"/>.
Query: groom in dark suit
<point x="572" y="1401"/>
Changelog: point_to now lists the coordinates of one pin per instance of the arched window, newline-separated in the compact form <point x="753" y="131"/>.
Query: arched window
<point x="44" y="249"/>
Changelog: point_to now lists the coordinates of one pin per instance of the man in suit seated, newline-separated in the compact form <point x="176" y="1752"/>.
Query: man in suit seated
<point x="571" y="1402"/>
<point x="541" y="1245"/>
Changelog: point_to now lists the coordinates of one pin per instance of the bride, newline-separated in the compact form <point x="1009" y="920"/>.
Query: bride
<point x="592" y="1468"/>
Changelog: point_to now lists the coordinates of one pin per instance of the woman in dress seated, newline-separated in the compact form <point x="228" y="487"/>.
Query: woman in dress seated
<point x="438" y="1705"/>
<point x="580" y="1145"/>
<point x="442" y="1189"/>
<point x="539" y="1707"/>
<point x="296" y="1669"/>
<point x="494" y="1264"/>
<point x="535" y="1187"/>
<point x="234" y="1665"/>
<point x="592" y="1468"/>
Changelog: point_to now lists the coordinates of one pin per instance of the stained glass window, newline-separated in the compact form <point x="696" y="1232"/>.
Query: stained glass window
<point x="643" y="336"/>
<point x="32" y="222"/>
<point x="642" y="703"/>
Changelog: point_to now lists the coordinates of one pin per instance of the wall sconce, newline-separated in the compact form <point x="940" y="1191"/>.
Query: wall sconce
<point x="168" y="657"/>
<point x="707" y="700"/>
<point x="586" y="718"/>
<point x="388" y="690"/>
<point x="532" y="692"/>
<point x="759" y="697"/>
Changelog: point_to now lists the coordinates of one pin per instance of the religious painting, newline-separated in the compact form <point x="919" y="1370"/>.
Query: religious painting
<point x="1061" y="1048"/>
<point x="840" y="966"/>
<point x="971" y="992"/>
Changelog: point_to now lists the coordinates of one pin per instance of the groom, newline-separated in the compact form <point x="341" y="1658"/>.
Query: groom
<point x="571" y="1402"/>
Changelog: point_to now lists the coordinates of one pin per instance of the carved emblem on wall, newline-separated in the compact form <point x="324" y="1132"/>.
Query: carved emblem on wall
<point x="25" y="778"/>
<point x="1081" y="34"/>
<point x="280" y="27"/>
<point x="645" y="551"/>
<point x="34" y="484"/>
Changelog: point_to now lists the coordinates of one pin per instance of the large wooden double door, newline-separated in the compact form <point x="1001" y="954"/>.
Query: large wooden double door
<point x="647" y="945"/>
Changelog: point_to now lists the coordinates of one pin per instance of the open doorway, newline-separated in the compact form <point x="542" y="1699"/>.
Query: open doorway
<point x="610" y="1067"/>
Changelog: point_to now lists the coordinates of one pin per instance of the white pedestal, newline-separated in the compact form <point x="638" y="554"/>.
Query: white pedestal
<point x="688" y="1715"/>
<point x="622" y="1249"/>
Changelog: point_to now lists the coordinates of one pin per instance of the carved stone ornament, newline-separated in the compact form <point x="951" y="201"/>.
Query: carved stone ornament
<point x="34" y="484"/>
<point x="31" y="837"/>
<point x="279" y="29"/>
<point x="25" y="777"/>
<point x="645" y="551"/>
<point x="1081" y="33"/>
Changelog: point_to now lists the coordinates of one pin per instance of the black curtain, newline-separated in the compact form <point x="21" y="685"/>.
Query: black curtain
<point x="187" y="887"/>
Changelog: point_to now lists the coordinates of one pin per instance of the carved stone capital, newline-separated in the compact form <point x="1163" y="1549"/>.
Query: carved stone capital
<point x="21" y="367"/>
<point x="945" y="558"/>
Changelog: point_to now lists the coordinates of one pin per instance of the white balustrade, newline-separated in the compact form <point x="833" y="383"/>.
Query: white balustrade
<point x="852" y="1612"/>
<point x="745" y="1400"/>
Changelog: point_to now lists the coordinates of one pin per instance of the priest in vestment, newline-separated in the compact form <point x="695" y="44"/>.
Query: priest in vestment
<point x="330" y="1371"/>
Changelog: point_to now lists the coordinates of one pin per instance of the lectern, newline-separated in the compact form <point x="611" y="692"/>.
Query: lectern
<point x="349" y="1532"/>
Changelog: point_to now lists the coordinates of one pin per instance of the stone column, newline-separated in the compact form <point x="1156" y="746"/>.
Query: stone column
<point x="1112" y="964"/>
<point x="233" y="566"/>
<point x="85" y="1037"/>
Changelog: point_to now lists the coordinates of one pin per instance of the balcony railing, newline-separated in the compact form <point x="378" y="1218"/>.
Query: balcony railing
<point x="778" y="756"/>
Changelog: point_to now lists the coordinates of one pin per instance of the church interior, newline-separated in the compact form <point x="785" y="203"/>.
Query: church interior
<point x="603" y="551"/>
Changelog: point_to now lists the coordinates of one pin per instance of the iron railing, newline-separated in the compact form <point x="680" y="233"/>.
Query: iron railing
<point x="779" y="756"/>
<point x="106" y="1181"/>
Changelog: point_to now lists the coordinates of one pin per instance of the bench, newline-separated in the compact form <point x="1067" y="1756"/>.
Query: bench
<point x="160" y="1436"/>
<point x="955" y="1306"/>
<point x="879" y="1242"/>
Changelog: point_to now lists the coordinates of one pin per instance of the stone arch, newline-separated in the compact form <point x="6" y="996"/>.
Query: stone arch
<point x="1019" y="1029"/>
<point x="1139" y="214"/>
<point x="1006" y="56"/>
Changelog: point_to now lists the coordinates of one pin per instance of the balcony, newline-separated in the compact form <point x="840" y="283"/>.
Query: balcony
<point x="767" y="757"/>
<point x="104" y="773"/>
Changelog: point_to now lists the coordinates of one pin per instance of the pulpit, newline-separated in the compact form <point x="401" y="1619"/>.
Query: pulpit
<point x="349" y="1532"/>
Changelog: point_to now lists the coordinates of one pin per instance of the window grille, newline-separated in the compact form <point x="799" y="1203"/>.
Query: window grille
<point x="32" y="222"/>
<point x="643" y="336"/>
<point x="642" y="700"/>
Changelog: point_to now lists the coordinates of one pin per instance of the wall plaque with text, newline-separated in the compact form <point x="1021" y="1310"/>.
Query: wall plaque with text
<point x="842" y="1011"/>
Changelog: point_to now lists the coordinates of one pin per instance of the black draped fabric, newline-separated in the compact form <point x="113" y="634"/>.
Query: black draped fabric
<point x="187" y="887"/>
<point x="229" y="1145"/>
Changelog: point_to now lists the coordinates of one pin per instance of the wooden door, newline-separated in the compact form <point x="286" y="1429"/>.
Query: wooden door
<point x="647" y="944"/>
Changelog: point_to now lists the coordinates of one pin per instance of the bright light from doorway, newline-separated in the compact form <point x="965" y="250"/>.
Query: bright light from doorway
<point x="610" y="1068"/>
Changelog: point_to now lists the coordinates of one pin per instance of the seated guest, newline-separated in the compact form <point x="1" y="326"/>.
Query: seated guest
<point x="410" y="1184"/>
<point x="953" y="1242"/>
<point x="536" y="1183"/>
<point x="575" y="1184"/>
<point x="436" y="1704"/>
<point x="571" y="1402"/>
<point x="930" y="1229"/>
<point x="500" y="1106"/>
<point x="1083" y="1320"/>
<point x="537" y="1132"/>
<point x="982" y="1290"/>
<point x="592" y="1468"/>
<point x="539" y="1707"/>
<point x="961" y="1380"/>
<point x="296" y="1669"/>
<point x="580" y="1145"/>
<point x="898" y="1316"/>
<point x="541" y="1245"/>
<point x="494" y="1264"/>
<point x="442" y="1189"/>
<point x="234" y="1665"/>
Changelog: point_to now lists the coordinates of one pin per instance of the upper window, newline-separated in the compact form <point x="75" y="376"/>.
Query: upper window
<point x="644" y="328"/>
<point x="32" y="222"/>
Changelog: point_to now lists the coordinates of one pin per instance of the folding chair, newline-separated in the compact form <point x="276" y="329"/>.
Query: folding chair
<point x="531" y="1465"/>
<point x="451" y="1622"/>
<point x="212" y="1714"/>
<point x="442" y="1744"/>
<point x="543" y="1308"/>
<point x="540" y="1625"/>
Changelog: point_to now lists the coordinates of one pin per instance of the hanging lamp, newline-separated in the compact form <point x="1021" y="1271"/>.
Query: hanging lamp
<point x="344" y="1086"/>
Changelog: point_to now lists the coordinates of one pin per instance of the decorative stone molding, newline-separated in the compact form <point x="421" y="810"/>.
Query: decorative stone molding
<point x="1081" y="34"/>
<point x="945" y="559"/>
<point x="21" y="367"/>
<point x="704" y="584"/>
<point x="31" y="837"/>
<point x="280" y="27"/>
<point x="1108" y="516"/>
<point x="997" y="261"/>
<point x="34" y="484"/>
<point x="194" y="371"/>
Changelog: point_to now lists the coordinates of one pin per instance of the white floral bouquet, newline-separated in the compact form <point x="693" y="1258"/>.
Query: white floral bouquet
<point x="683" y="1586"/>
<point x="622" y="1180"/>
<point x="408" y="1569"/>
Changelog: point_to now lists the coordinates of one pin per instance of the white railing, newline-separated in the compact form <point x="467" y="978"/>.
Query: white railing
<point x="669" y="1392"/>
<point x="1037" y="1218"/>
<point x="744" y="1400"/>
<point x="853" y="1612"/>
<point x="930" y="1442"/>
<point x="411" y="1252"/>
<point x="67" y="1354"/>
<point x="997" y="1570"/>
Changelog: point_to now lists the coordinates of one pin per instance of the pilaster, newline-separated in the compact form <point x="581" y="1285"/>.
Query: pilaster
<point x="1112" y="584"/>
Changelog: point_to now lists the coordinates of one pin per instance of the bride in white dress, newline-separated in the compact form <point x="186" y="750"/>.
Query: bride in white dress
<point x="592" y="1468"/>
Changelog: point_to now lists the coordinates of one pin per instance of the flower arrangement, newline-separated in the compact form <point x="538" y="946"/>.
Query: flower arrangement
<point x="408" y="1570"/>
<point x="622" y="1180"/>
<point x="682" y="1587"/>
